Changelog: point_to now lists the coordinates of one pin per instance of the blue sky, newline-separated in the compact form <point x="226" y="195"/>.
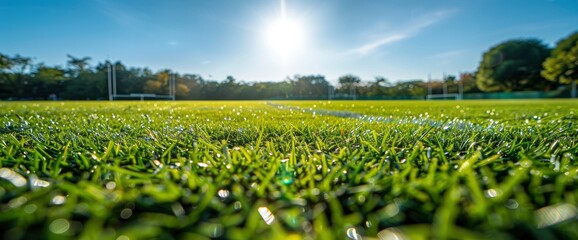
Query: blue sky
<point x="396" y="39"/>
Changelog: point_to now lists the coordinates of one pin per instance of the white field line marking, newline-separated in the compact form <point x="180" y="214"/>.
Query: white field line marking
<point x="450" y="124"/>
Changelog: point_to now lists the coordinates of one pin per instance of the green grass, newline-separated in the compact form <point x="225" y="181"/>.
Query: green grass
<point x="289" y="170"/>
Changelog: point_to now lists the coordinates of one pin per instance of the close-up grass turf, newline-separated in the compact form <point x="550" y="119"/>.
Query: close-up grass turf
<point x="289" y="170"/>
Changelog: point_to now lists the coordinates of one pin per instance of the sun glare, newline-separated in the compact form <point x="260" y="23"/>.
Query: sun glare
<point x="285" y="37"/>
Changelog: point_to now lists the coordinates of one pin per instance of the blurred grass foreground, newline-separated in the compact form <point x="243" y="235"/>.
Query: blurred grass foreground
<point x="289" y="170"/>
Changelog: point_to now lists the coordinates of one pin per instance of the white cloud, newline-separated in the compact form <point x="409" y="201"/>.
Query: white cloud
<point x="412" y="29"/>
<point x="369" y="47"/>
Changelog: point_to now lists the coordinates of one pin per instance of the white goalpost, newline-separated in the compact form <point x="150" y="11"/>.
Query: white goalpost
<point x="445" y="95"/>
<point x="113" y="94"/>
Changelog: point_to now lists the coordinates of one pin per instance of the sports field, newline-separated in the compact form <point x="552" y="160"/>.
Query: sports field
<point x="289" y="170"/>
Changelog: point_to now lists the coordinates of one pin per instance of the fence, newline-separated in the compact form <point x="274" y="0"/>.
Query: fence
<point x="518" y="95"/>
<point x="561" y="93"/>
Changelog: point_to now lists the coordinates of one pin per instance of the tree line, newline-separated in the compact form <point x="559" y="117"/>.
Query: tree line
<point x="513" y="65"/>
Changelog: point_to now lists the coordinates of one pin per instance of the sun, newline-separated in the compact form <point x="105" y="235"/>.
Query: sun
<point x="285" y="37"/>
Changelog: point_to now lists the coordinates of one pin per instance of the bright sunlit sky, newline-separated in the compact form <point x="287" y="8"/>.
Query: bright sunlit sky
<point x="259" y="40"/>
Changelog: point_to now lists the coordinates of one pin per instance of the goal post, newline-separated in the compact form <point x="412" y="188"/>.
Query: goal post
<point x="112" y="90"/>
<point x="459" y="95"/>
<point x="142" y="96"/>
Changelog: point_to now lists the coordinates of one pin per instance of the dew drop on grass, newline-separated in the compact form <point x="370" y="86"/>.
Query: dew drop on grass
<point x="237" y="205"/>
<point x="266" y="214"/>
<point x="391" y="210"/>
<point x="110" y="185"/>
<point x="223" y="193"/>
<point x="58" y="200"/>
<point x="178" y="209"/>
<point x="368" y="224"/>
<point x="511" y="204"/>
<point x="352" y="234"/>
<point x="36" y="183"/>
<point x="175" y="165"/>
<point x="126" y="213"/>
<point x="286" y="180"/>
<point x="30" y="208"/>
<point x="17" y="202"/>
<point x="13" y="177"/>
<point x="526" y="163"/>
<point x="59" y="226"/>
<point x="361" y="199"/>
<point x="391" y="233"/>
<point x="492" y="193"/>
<point x="215" y="230"/>
<point x="554" y="214"/>
<point x="557" y="166"/>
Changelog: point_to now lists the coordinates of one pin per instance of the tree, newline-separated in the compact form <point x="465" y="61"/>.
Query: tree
<point x="562" y="65"/>
<point x="231" y="87"/>
<point x="160" y="85"/>
<point x="79" y="65"/>
<point x="310" y="86"/>
<point x="49" y="74"/>
<point x="5" y="62"/>
<point x="414" y="88"/>
<point x="513" y="65"/>
<point x="349" y="82"/>
<point x="468" y="82"/>
<point x="450" y="79"/>
<point x="21" y="64"/>
<point x="133" y="79"/>
<point x="47" y="81"/>
<point x="194" y="83"/>
<point x="377" y="87"/>
<point x="85" y="83"/>
<point x="5" y="65"/>
<point x="18" y="78"/>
